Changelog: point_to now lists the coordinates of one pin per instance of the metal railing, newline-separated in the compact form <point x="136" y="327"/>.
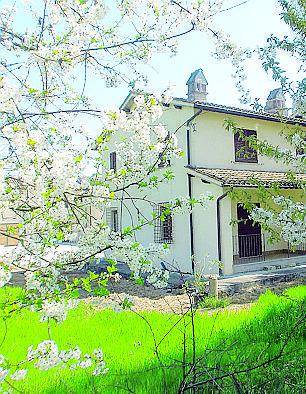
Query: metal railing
<point x="248" y="248"/>
<point x="253" y="248"/>
<point x="297" y="250"/>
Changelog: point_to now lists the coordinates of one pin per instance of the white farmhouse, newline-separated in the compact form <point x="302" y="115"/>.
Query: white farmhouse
<point x="216" y="161"/>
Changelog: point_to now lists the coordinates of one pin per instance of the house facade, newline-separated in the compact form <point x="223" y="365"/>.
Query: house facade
<point x="218" y="162"/>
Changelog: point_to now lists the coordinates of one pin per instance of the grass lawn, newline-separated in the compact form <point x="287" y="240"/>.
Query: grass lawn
<point x="225" y="341"/>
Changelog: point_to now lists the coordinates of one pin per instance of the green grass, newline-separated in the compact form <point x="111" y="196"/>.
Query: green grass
<point x="249" y="336"/>
<point x="213" y="302"/>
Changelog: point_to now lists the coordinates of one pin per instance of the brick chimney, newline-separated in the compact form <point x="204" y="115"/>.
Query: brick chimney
<point x="276" y="103"/>
<point x="197" y="85"/>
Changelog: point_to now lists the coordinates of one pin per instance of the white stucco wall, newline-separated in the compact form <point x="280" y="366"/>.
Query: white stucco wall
<point x="213" y="147"/>
<point x="179" y="252"/>
<point x="205" y="228"/>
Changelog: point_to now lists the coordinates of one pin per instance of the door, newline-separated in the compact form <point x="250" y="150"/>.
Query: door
<point x="249" y="234"/>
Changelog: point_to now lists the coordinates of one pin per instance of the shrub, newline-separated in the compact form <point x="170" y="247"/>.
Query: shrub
<point x="213" y="302"/>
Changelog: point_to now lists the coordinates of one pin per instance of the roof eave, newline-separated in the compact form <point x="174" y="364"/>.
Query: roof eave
<point x="193" y="171"/>
<point x="268" y="185"/>
<point x="249" y="115"/>
<point x="226" y="184"/>
<point x="126" y="104"/>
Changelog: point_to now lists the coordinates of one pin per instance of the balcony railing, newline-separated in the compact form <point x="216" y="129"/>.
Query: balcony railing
<point x="253" y="248"/>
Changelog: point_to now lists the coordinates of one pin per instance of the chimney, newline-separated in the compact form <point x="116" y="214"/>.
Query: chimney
<point x="197" y="84"/>
<point x="276" y="103"/>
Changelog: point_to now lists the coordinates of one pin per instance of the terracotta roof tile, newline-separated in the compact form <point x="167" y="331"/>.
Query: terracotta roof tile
<point x="249" y="178"/>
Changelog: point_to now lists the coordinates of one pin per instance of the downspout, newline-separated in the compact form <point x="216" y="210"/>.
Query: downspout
<point x="191" y="224"/>
<point x="219" y="228"/>
<point x="190" y="186"/>
<point x="188" y="135"/>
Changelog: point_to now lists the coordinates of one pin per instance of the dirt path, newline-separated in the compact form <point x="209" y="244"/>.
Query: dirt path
<point x="177" y="301"/>
<point x="174" y="300"/>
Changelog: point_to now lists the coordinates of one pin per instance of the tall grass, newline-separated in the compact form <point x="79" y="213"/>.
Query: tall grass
<point x="226" y="341"/>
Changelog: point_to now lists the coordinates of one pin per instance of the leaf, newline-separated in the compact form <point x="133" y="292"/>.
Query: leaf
<point x="139" y="281"/>
<point x="78" y="158"/>
<point x="31" y="142"/>
<point x="111" y="269"/>
<point x="32" y="90"/>
<point x="101" y="291"/>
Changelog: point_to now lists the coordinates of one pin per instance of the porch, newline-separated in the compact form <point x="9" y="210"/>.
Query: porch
<point x="253" y="251"/>
<point x="242" y="245"/>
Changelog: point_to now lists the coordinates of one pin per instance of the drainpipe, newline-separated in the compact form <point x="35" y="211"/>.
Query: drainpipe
<point x="191" y="223"/>
<point x="188" y="135"/>
<point x="219" y="228"/>
<point x="190" y="186"/>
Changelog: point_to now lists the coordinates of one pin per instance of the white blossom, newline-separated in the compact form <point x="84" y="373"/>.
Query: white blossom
<point x="20" y="374"/>
<point x="5" y="276"/>
<point x="57" y="310"/>
<point x="3" y="374"/>
<point x="289" y="221"/>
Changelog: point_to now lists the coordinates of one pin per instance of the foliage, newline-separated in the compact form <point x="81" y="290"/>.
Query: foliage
<point x="54" y="167"/>
<point x="228" y="340"/>
<point x="213" y="302"/>
<point x="281" y="216"/>
<point x="54" y="171"/>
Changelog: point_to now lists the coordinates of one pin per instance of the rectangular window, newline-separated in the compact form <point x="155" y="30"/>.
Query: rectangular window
<point x="243" y="151"/>
<point x="113" y="161"/>
<point x="163" y="229"/>
<point x="112" y="219"/>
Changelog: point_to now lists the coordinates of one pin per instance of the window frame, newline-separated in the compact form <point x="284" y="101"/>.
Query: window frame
<point x="112" y="218"/>
<point x="251" y="154"/>
<point x="113" y="161"/>
<point x="200" y="87"/>
<point x="163" y="229"/>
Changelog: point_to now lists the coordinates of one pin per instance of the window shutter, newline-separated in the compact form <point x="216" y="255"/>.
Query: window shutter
<point x="239" y="146"/>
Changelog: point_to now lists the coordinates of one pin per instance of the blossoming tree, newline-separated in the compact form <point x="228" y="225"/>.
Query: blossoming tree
<point x="54" y="175"/>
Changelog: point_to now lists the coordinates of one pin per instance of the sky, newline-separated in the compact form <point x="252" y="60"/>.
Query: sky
<point x="248" y="24"/>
